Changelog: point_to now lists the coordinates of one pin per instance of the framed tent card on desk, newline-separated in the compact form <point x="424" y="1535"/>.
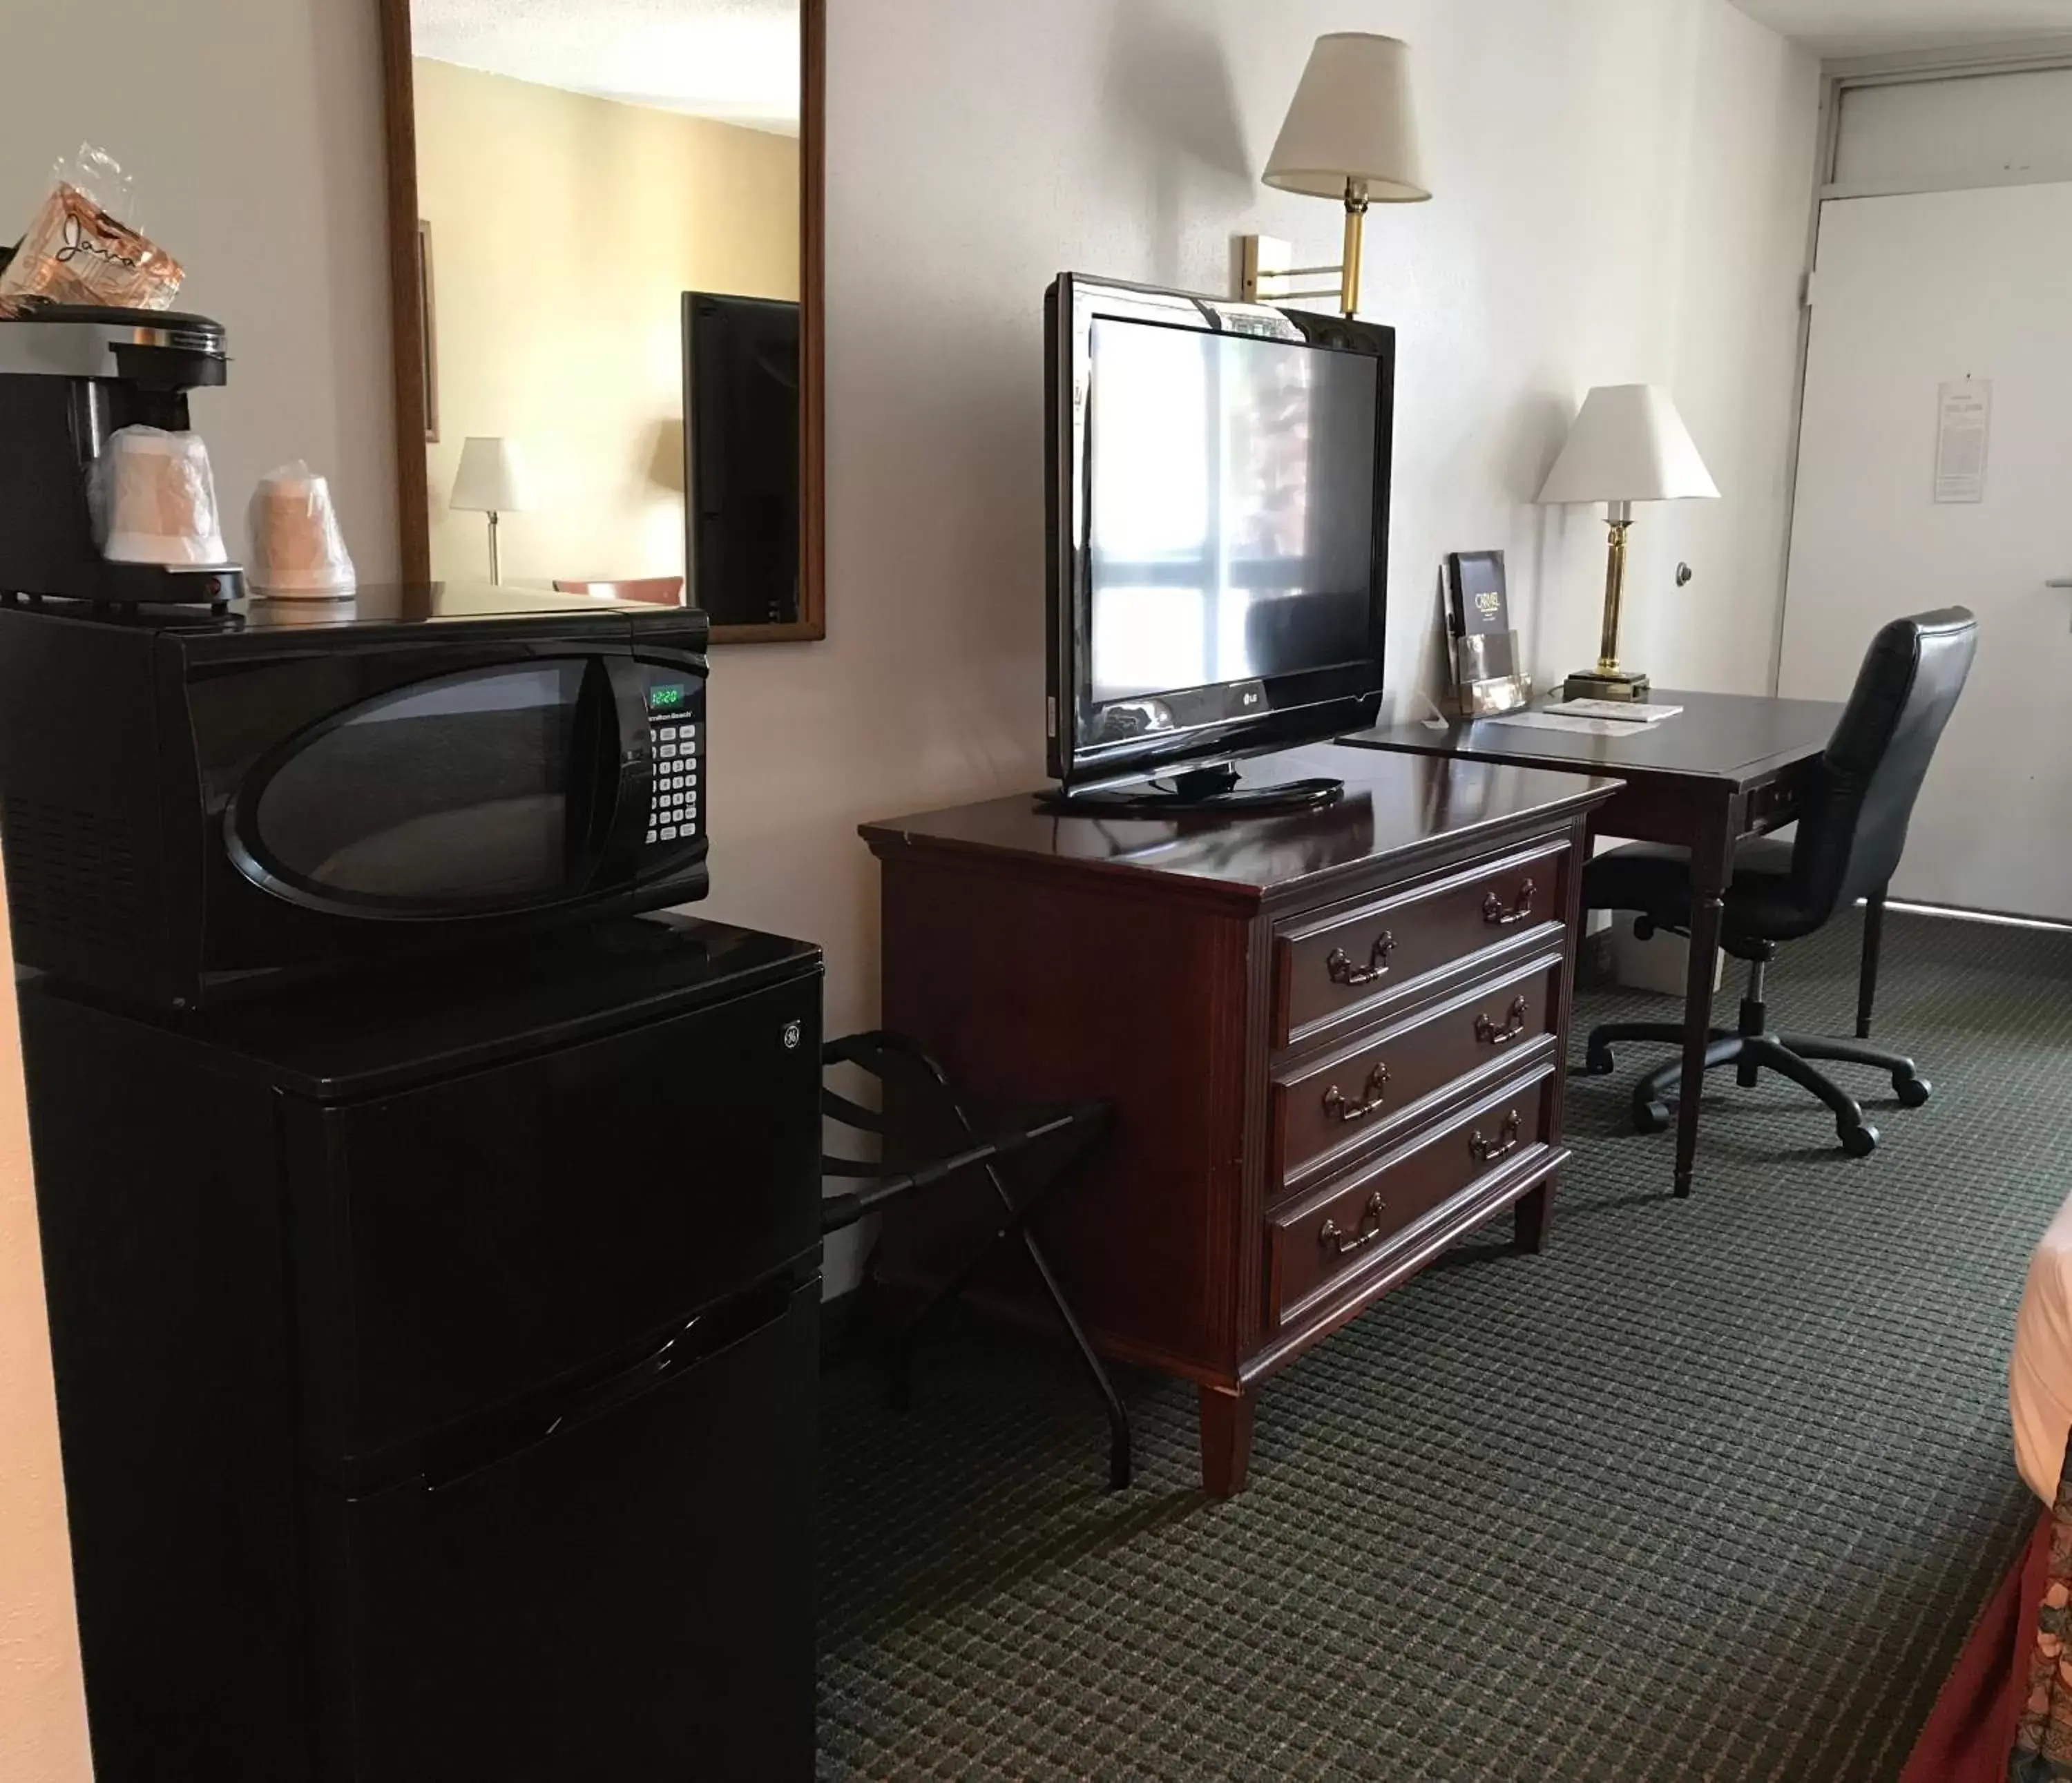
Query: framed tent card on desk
<point x="1483" y="648"/>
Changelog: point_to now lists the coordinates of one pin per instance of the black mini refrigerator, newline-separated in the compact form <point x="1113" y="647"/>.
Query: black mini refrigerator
<point x="436" y="1366"/>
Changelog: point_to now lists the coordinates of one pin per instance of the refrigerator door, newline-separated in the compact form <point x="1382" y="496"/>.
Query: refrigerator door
<point x="460" y="1246"/>
<point x="629" y="1598"/>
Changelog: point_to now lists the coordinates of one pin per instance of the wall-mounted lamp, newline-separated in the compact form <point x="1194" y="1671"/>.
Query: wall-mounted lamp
<point x="1351" y="134"/>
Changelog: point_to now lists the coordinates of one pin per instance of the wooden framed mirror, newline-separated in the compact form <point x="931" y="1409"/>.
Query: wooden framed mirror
<point x="625" y="199"/>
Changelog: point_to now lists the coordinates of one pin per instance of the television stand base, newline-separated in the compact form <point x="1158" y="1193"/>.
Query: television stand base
<point x="1219" y="789"/>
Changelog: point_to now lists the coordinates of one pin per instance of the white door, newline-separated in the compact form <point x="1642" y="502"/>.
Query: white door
<point x="1913" y="293"/>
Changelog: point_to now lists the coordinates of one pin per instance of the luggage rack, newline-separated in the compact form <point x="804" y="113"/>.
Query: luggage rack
<point x="879" y="1054"/>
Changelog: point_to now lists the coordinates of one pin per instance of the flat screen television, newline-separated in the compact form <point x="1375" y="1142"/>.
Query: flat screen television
<point x="741" y="454"/>
<point x="1217" y="501"/>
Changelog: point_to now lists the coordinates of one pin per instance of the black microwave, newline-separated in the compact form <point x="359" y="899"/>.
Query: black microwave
<point x="194" y="805"/>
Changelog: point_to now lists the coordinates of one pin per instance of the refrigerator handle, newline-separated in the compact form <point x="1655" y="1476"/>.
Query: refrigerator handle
<point x="484" y="1443"/>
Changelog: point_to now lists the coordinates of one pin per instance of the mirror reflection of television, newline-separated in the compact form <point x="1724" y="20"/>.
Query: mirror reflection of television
<point x="1219" y="529"/>
<point x="741" y="452"/>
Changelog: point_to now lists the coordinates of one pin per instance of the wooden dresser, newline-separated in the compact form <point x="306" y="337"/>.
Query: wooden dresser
<point x="1335" y="1040"/>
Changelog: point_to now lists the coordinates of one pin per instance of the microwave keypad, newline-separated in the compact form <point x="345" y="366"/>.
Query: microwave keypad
<point x="677" y="749"/>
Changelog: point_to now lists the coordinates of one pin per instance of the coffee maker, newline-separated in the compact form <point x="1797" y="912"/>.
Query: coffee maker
<point x="70" y="376"/>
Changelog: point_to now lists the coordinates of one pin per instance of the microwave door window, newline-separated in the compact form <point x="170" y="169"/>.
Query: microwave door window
<point x="454" y="792"/>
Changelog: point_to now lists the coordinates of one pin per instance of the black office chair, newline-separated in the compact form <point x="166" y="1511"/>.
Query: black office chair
<point x="1850" y="837"/>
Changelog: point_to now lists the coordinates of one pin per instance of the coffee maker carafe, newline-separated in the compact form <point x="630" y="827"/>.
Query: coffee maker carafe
<point x="71" y="375"/>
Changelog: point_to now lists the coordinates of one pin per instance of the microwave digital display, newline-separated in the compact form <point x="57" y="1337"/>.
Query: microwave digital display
<point x="670" y="694"/>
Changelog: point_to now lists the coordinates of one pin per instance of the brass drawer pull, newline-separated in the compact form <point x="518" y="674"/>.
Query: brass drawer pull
<point x="1336" y="1106"/>
<point x="1343" y="971"/>
<point x="1497" y="916"/>
<point x="1488" y="1151"/>
<point x="1341" y="1244"/>
<point x="1490" y="1034"/>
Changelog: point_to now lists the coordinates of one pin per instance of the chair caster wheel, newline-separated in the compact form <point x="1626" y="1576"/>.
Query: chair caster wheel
<point x="1597" y="1061"/>
<point x="1858" y="1142"/>
<point x="1651" y="1117"/>
<point x="1912" y="1091"/>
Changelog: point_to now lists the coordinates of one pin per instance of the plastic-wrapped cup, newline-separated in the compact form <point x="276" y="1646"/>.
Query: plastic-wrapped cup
<point x="158" y="499"/>
<point x="297" y="548"/>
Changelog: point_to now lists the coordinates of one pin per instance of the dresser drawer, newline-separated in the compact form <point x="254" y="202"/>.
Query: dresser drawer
<point x="1320" y="1246"/>
<point x="1328" y="968"/>
<point x="1325" y="1111"/>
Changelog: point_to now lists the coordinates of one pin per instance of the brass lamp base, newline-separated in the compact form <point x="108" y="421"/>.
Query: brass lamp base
<point x="1597" y="683"/>
<point x="1607" y="681"/>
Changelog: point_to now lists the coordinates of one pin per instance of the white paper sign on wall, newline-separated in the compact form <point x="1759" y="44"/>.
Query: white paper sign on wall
<point x="1964" y="426"/>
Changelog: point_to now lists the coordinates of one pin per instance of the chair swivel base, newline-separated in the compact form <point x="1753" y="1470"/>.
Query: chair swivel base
<point x="1789" y="1055"/>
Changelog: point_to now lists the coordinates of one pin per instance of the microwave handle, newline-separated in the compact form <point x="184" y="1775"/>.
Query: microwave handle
<point x="632" y="767"/>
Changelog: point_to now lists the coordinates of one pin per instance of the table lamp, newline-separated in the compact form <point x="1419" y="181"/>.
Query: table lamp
<point x="491" y="480"/>
<point x="1351" y="134"/>
<point x="1628" y="445"/>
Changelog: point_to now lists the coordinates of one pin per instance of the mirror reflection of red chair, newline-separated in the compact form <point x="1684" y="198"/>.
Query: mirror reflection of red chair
<point x="656" y="590"/>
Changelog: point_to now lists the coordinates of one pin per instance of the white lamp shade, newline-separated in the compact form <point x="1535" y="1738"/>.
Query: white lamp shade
<point x="491" y="479"/>
<point x="1629" y="445"/>
<point x="1351" y="120"/>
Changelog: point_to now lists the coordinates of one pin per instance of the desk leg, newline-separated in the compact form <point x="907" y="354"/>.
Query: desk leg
<point x="1711" y="856"/>
<point x="1226" y="1439"/>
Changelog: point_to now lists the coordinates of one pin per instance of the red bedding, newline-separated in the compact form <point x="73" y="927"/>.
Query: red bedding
<point x="1972" y="1728"/>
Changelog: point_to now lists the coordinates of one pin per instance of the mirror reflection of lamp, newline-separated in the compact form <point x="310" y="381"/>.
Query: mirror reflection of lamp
<point x="491" y="480"/>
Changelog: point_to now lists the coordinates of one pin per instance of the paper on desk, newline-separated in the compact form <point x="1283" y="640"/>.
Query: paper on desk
<point x="1555" y="721"/>
<point x="1624" y="712"/>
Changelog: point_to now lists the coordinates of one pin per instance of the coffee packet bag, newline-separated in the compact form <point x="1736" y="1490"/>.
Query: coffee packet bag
<point x="77" y="251"/>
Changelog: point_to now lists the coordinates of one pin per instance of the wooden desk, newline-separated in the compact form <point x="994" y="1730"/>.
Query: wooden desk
<point x="1727" y="765"/>
<point x="1334" y="1039"/>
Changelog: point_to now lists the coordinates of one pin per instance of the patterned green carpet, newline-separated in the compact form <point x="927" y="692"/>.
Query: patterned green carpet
<point x="1710" y="1490"/>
